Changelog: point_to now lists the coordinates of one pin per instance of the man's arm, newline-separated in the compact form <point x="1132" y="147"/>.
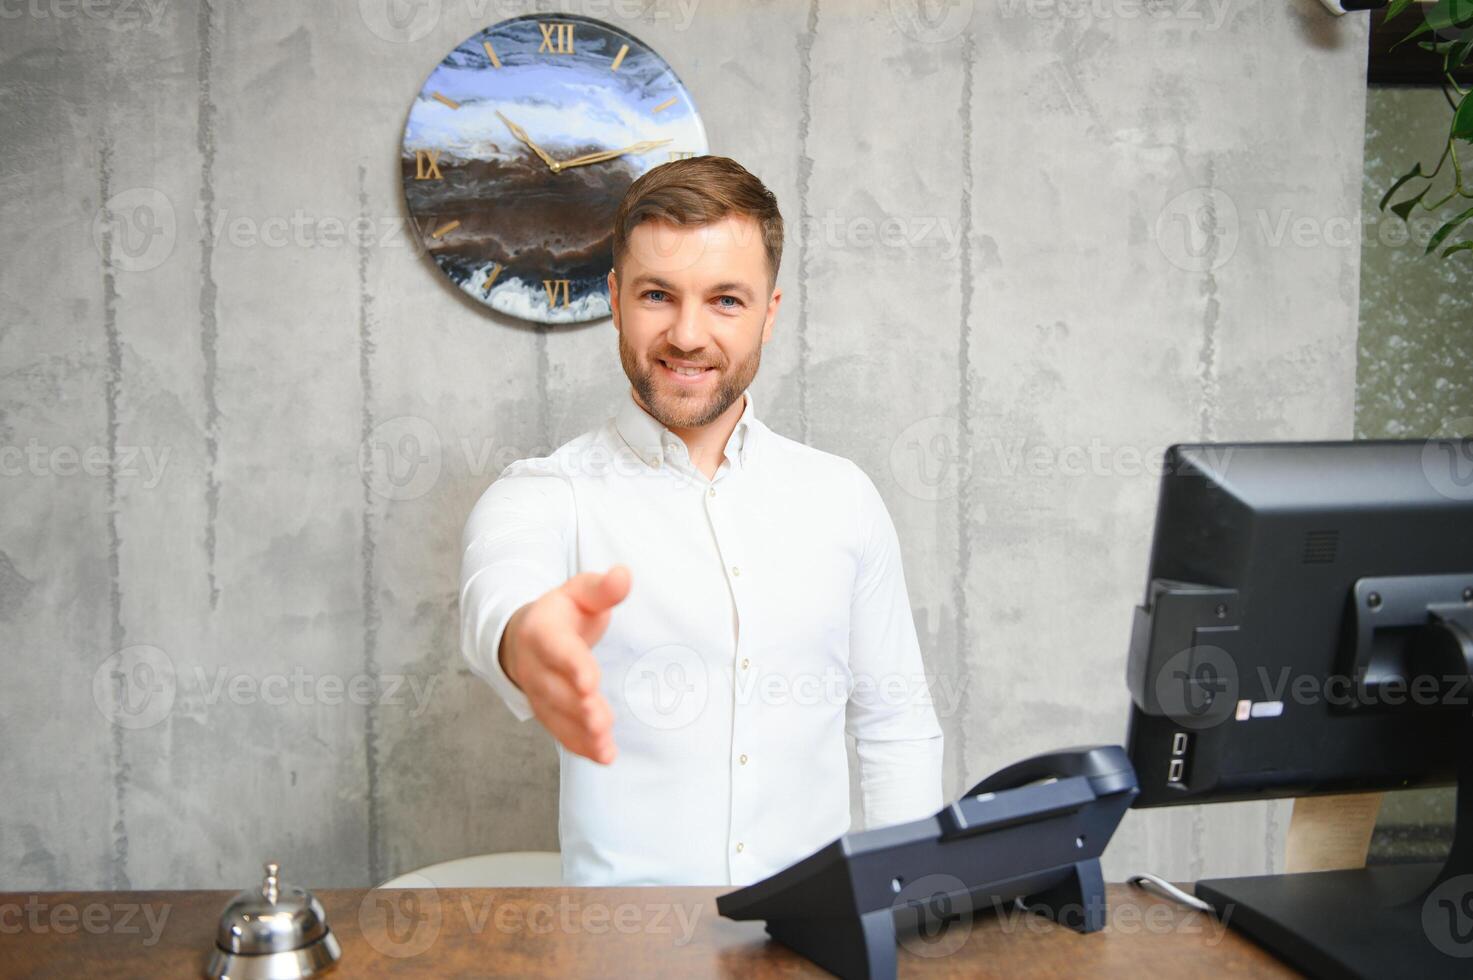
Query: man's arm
<point x="516" y="546"/>
<point x="889" y="713"/>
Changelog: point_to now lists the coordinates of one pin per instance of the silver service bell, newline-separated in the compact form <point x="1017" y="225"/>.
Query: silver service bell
<point x="274" y="932"/>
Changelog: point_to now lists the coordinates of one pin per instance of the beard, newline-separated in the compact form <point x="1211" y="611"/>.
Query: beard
<point x="678" y="409"/>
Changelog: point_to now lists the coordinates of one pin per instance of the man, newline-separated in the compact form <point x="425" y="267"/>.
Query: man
<point x="697" y="608"/>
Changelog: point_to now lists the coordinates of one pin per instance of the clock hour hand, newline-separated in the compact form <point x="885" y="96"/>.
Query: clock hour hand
<point x="521" y="134"/>
<point x="603" y="155"/>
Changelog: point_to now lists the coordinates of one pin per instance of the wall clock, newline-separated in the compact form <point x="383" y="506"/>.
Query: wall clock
<point x="519" y="148"/>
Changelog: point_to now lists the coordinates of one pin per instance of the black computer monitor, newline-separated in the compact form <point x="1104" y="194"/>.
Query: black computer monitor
<point x="1308" y="629"/>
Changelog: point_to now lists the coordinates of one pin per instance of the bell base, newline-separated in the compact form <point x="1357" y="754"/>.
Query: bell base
<point x="312" y="960"/>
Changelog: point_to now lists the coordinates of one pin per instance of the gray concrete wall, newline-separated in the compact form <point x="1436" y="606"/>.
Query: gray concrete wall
<point x="1031" y="243"/>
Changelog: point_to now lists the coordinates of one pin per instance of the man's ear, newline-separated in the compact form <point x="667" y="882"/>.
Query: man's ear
<point x="614" y="297"/>
<point x="772" y="305"/>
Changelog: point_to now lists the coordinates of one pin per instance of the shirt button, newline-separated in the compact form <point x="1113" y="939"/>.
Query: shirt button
<point x="739" y="847"/>
<point x="743" y="759"/>
<point x="746" y="663"/>
<point x="711" y="492"/>
<point x="735" y="570"/>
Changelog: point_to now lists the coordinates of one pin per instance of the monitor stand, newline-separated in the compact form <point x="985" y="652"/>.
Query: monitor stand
<point x="1393" y="920"/>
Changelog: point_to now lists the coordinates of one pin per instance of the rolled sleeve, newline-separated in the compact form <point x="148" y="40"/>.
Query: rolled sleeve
<point x="890" y="711"/>
<point x="516" y="546"/>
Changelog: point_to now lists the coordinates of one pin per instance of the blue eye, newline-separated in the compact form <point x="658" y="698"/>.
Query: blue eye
<point x="654" y="294"/>
<point x="734" y="302"/>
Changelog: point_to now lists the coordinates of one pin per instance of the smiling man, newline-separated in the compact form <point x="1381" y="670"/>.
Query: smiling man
<point x="697" y="608"/>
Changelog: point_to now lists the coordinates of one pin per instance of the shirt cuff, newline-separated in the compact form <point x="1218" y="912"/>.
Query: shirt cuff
<point x="486" y="608"/>
<point x="900" y="780"/>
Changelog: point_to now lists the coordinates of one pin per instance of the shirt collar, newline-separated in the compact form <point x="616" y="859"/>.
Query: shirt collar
<point x="654" y="443"/>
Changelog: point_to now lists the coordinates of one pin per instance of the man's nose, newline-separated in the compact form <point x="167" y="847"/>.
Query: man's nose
<point x="689" y="333"/>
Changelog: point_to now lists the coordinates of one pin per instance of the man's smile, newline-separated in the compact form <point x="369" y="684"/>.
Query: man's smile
<point x="684" y="374"/>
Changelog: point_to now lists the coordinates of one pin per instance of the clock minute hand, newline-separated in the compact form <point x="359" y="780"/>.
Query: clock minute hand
<point x="603" y="155"/>
<point x="521" y="134"/>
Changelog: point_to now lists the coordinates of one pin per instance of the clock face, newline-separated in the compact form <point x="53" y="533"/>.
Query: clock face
<point x="520" y="147"/>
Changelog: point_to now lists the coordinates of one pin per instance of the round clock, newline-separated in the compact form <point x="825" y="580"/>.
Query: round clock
<point x="520" y="147"/>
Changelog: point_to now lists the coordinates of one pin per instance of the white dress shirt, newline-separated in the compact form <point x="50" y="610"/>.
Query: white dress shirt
<point x="767" y="617"/>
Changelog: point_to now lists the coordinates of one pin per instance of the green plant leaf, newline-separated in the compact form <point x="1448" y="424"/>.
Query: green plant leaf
<point x="1451" y="13"/>
<point x="1420" y="29"/>
<point x="1459" y="247"/>
<point x="1457" y="54"/>
<point x="1441" y="234"/>
<point x="1404" y="208"/>
<point x="1416" y="171"/>
<point x="1463" y="118"/>
<point x="1442" y="14"/>
<point x="1396" y="7"/>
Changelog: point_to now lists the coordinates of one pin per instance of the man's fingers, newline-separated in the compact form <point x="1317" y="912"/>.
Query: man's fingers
<point x="590" y="710"/>
<point x="596" y="592"/>
<point x="575" y="733"/>
<point x="570" y="658"/>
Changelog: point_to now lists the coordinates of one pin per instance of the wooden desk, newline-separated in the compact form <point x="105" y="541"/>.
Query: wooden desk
<point x="604" y="932"/>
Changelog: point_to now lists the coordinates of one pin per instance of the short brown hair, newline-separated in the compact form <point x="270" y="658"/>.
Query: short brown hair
<point x="698" y="191"/>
